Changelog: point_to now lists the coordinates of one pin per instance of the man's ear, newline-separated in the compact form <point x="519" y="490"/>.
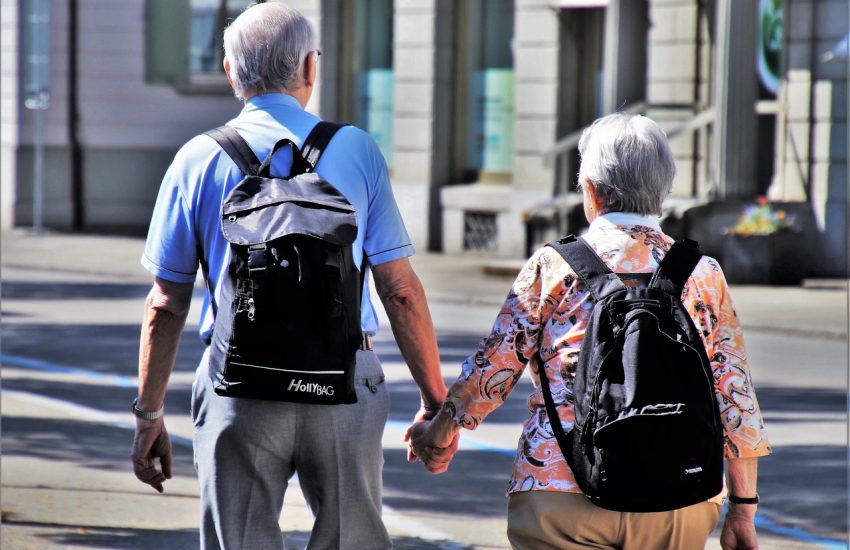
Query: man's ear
<point x="310" y="69"/>
<point x="226" y="65"/>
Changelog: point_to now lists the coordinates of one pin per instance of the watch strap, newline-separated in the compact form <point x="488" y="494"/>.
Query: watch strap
<point x="743" y="500"/>
<point x="147" y="415"/>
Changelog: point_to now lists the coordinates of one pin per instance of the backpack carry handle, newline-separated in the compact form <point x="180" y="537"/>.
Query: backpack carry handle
<point x="303" y="160"/>
<point x="299" y="165"/>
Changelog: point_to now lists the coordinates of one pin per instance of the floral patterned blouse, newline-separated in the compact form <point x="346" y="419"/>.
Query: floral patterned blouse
<point x="542" y="323"/>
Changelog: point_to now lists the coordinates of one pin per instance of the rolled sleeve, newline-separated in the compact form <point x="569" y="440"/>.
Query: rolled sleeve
<point x="403" y="251"/>
<point x="167" y="274"/>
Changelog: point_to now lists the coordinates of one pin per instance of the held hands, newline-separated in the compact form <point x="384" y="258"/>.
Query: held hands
<point x="151" y="442"/>
<point x="432" y="438"/>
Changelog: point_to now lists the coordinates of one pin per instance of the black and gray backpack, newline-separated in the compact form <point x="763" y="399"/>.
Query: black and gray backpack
<point x="288" y="321"/>
<point x="647" y="435"/>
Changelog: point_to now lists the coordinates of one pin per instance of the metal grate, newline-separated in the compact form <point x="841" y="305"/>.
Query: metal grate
<point x="479" y="231"/>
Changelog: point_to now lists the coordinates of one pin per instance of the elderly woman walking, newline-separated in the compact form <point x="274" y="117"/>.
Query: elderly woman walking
<point x="627" y="170"/>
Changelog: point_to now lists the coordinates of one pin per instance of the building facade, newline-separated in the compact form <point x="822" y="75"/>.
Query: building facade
<point x="476" y="104"/>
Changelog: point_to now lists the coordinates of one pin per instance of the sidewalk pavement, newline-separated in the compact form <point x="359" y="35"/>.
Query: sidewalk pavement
<point x="818" y="307"/>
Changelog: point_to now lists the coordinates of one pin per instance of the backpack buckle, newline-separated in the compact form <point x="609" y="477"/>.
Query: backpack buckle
<point x="257" y="259"/>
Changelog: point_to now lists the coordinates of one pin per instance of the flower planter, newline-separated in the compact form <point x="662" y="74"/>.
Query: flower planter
<point x="774" y="259"/>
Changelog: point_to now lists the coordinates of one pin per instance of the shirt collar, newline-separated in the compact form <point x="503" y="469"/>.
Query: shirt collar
<point x="273" y="99"/>
<point x="614" y="219"/>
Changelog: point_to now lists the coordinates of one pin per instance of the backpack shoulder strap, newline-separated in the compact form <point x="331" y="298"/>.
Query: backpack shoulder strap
<point x="676" y="266"/>
<point x="317" y="141"/>
<point x="236" y="148"/>
<point x="581" y="257"/>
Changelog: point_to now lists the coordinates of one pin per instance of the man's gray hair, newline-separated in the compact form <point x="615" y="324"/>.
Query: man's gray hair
<point x="629" y="162"/>
<point x="266" y="46"/>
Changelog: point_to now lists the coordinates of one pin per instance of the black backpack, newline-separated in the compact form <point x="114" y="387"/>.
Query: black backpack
<point x="288" y="322"/>
<point x="647" y="435"/>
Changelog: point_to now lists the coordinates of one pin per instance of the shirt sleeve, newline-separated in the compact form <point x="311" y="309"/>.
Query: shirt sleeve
<point x="717" y="320"/>
<point x="489" y="375"/>
<point x="171" y="249"/>
<point x="386" y="237"/>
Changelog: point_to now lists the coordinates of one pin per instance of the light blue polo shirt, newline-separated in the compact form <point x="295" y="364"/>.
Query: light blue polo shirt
<point x="186" y="219"/>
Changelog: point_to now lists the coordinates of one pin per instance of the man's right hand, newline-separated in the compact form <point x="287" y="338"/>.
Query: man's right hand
<point x="151" y="443"/>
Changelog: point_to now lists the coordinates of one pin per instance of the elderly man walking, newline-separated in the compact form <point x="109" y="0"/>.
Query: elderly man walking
<point x="247" y="449"/>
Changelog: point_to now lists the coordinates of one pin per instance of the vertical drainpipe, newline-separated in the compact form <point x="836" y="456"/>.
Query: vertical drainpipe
<point x="698" y="102"/>
<point x="77" y="191"/>
<point x="813" y="61"/>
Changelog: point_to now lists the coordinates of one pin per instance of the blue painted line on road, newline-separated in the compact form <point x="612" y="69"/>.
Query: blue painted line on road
<point x="35" y="364"/>
<point x="795" y="533"/>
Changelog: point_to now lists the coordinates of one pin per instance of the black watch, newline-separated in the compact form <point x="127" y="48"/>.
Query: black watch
<point x="741" y="500"/>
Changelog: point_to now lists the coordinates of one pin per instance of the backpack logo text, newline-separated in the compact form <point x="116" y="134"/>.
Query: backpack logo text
<point x="318" y="389"/>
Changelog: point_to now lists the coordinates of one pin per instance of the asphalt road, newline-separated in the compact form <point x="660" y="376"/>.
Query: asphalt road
<point x="69" y="352"/>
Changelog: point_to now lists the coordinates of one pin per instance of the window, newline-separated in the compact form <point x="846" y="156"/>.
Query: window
<point x="484" y="90"/>
<point x="183" y="42"/>
<point x="480" y="231"/>
<point x="365" y="54"/>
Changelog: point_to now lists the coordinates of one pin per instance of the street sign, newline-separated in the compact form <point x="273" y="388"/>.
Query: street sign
<point x="37" y="93"/>
<point x="37" y="52"/>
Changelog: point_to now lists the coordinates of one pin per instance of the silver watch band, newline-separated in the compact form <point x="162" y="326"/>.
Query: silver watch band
<point x="146" y="415"/>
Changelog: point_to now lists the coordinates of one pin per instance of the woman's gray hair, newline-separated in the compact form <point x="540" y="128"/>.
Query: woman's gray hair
<point x="629" y="162"/>
<point x="266" y="47"/>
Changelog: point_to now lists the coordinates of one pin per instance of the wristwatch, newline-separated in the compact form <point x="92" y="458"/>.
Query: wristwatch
<point x="147" y="415"/>
<point x="741" y="500"/>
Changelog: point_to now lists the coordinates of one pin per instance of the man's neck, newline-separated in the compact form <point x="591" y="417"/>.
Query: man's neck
<point x="301" y="95"/>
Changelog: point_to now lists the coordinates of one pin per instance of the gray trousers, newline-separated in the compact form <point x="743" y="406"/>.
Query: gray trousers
<point x="246" y="450"/>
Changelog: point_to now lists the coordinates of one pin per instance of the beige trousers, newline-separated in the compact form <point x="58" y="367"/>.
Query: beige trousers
<point x="539" y="520"/>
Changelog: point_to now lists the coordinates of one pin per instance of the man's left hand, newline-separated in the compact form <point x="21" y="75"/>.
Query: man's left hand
<point x="421" y="416"/>
<point x="435" y="451"/>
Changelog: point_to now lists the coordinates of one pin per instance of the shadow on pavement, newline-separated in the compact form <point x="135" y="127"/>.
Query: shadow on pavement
<point x="474" y="485"/>
<point x="110" y="349"/>
<point x="808" y="400"/>
<point x="805" y="486"/>
<point x="297" y="540"/>
<point x="17" y="290"/>
<point x="62" y="536"/>
<point x="96" y="446"/>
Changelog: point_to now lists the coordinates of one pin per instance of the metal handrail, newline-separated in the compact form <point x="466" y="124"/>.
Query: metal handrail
<point x="697" y="122"/>
<point x="570" y="141"/>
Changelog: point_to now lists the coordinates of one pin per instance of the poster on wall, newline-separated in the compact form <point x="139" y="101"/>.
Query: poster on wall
<point x="375" y="89"/>
<point x="492" y="120"/>
<point x="769" y="47"/>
